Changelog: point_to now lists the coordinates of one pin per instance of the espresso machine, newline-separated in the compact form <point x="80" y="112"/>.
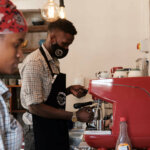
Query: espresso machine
<point x="97" y="123"/>
<point x="131" y="99"/>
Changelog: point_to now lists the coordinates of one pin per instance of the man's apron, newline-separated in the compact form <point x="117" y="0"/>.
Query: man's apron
<point x="52" y="134"/>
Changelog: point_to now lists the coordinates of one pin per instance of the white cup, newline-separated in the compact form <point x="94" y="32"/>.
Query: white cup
<point x="135" y="73"/>
<point x="120" y="74"/>
<point x="104" y="74"/>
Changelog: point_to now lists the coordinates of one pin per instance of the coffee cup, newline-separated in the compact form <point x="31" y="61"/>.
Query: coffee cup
<point x="135" y="73"/>
<point x="120" y="73"/>
<point x="104" y="74"/>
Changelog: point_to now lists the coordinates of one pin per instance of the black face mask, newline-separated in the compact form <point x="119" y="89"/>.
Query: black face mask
<point x="58" y="52"/>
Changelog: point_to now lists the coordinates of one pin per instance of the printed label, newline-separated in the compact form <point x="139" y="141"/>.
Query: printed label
<point x="124" y="146"/>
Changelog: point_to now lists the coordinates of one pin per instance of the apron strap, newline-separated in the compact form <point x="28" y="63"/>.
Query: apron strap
<point x="44" y="55"/>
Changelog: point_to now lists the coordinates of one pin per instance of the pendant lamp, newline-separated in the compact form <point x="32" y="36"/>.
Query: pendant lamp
<point x="62" y="13"/>
<point x="50" y="11"/>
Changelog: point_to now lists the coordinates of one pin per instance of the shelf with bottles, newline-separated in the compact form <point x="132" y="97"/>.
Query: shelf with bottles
<point x="37" y="30"/>
<point x="13" y="82"/>
<point x="34" y="20"/>
<point x="14" y="101"/>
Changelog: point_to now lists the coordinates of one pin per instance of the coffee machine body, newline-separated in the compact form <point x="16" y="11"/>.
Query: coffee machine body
<point x="131" y="99"/>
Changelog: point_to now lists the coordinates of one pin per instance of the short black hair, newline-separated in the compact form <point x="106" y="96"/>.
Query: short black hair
<point x="64" y="25"/>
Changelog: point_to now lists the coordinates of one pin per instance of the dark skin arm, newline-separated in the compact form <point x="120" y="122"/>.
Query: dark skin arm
<point x="83" y="115"/>
<point x="49" y="112"/>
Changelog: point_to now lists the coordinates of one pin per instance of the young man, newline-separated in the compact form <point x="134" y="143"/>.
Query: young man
<point x="12" y="33"/>
<point x="44" y="90"/>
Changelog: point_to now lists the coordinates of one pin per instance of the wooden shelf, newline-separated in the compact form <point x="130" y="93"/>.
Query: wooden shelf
<point x="11" y="86"/>
<point x="28" y="50"/>
<point x="30" y="10"/>
<point x="18" y="111"/>
<point x="38" y="28"/>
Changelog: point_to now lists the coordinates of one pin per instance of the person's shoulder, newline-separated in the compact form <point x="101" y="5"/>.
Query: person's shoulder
<point x="33" y="59"/>
<point x="34" y="56"/>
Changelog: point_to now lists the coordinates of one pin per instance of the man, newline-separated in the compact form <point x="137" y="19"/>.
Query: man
<point x="12" y="32"/>
<point x="44" y="90"/>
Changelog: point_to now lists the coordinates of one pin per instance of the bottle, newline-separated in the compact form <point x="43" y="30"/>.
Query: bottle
<point x="123" y="142"/>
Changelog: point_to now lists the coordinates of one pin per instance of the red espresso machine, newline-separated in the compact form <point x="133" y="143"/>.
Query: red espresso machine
<point x="131" y="99"/>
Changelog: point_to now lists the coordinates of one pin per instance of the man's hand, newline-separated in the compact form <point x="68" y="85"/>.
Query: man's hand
<point x="85" y="114"/>
<point x="77" y="90"/>
<point x="108" y="123"/>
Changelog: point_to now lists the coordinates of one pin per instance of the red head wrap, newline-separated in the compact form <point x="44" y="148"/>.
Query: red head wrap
<point x="11" y="20"/>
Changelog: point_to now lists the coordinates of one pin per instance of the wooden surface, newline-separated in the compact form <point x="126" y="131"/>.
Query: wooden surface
<point x="11" y="86"/>
<point x="38" y="28"/>
<point x="30" y="10"/>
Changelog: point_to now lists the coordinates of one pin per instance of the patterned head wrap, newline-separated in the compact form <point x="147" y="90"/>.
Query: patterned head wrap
<point x="11" y="20"/>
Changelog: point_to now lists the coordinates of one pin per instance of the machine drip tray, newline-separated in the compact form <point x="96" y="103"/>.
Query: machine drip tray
<point x="97" y="132"/>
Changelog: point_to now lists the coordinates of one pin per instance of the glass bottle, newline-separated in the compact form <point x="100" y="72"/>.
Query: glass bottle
<point x="123" y="142"/>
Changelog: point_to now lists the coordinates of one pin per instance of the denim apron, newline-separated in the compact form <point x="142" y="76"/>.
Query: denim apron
<point x="52" y="134"/>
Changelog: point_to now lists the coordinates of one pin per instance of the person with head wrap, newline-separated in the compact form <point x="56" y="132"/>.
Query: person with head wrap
<point x="13" y="28"/>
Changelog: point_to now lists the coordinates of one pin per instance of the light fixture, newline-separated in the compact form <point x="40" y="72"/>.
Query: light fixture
<point x="50" y="11"/>
<point x="62" y="13"/>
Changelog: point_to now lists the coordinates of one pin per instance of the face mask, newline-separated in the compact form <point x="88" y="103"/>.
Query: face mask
<point x="58" y="52"/>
